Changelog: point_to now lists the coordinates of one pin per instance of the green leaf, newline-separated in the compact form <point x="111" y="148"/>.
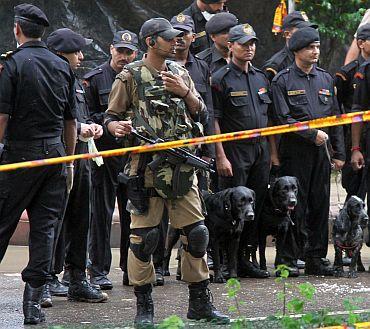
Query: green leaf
<point x="295" y="305"/>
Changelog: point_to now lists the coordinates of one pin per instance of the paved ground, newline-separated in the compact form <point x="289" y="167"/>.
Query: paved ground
<point x="259" y="296"/>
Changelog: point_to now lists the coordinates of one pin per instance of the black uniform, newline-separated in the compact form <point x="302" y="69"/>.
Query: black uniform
<point x="280" y="61"/>
<point x="72" y="243"/>
<point x="105" y="184"/>
<point x="202" y="39"/>
<point x="241" y="101"/>
<point x="299" y="97"/>
<point x="352" y="180"/>
<point x="37" y="92"/>
<point x="213" y="58"/>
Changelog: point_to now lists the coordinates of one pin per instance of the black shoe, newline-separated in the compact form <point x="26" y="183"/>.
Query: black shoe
<point x="145" y="308"/>
<point x="159" y="279"/>
<point x="65" y="278"/>
<point x="301" y="264"/>
<point x="314" y="266"/>
<point x="102" y="281"/>
<point x="83" y="291"/>
<point x="57" y="288"/>
<point x="200" y="304"/>
<point x="46" y="300"/>
<point x="125" y="280"/>
<point x="209" y="261"/>
<point x="293" y="272"/>
<point x="31" y="305"/>
<point x="247" y="269"/>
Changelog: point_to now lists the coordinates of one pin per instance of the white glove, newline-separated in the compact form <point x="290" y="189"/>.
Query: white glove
<point x="92" y="149"/>
<point x="69" y="178"/>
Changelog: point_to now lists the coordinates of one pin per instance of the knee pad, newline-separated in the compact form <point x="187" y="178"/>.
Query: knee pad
<point x="198" y="238"/>
<point x="145" y="249"/>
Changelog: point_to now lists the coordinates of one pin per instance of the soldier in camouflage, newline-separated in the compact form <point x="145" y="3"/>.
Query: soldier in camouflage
<point x="157" y="98"/>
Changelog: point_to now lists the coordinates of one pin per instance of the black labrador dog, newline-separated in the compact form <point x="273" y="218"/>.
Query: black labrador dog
<point x="348" y="234"/>
<point x="227" y="211"/>
<point x="275" y="220"/>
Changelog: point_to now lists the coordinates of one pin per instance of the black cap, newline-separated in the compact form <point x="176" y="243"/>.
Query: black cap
<point x="363" y="32"/>
<point x="221" y="22"/>
<point x="242" y="33"/>
<point x="125" y="39"/>
<point x="297" y="19"/>
<point x="158" y="26"/>
<point x="212" y="1"/>
<point x="66" y="41"/>
<point x="302" y="38"/>
<point x="183" y="22"/>
<point x="31" y="14"/>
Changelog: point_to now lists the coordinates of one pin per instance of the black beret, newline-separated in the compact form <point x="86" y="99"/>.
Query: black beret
<point x="212" y="1"/>
<point x="31" y="14"/>
<point x="302" y="38"/>
<point x="221" y="22"/>
<point x="158" y="26"/>
<point x="66" y="41"/>
<point x="242" y="33"/>
<point x="183" y="22"/>
<point x="125" y="39"/>
<point x="363" y="32"/>
<point x="297" y="19"/>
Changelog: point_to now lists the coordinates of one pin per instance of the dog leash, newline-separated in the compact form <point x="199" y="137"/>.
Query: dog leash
<point x="328" y="153"/>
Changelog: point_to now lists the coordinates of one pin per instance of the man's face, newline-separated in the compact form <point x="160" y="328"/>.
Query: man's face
<point x="309" y="54"/>
<point x="364" y="45"/>
<point x="221" y="39"/>
<point x="214" y="8"/>
<point x="243" y="52"/>
<point x="184" y="41"/>
<point x="289" y="32"/>
<point x="122" y="56"/>
<point x="74" y="59"/>
<point x="165" y="48"/>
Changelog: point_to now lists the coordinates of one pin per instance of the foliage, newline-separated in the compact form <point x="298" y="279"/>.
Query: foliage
<point x="233" y="289"/>
<point x="337" y="19"/>
<point x="172" y="322"/>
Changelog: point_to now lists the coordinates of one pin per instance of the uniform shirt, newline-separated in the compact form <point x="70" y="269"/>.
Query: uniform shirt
<point x="241" y="100"/>
<point x="344" y="82"/>
<point x="199" y="73"/>
<point x="280" y="61"/>
<point x="202" y="39"/>
<point x="213" y="58"/>
<point x="124" y="94"/>
<point x="37" y="92"/>
<point x="82" y="110"/>
<point x="299" y="97"/>
<point x="361" y="97"/>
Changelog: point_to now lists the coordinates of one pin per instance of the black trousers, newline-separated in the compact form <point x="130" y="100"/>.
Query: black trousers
<point x="41" y="191"/>
<point x="310" y="164"/>
<point x="71" y="247"/>
<point x="105" y="191"/>
<point x="254" y="174"/>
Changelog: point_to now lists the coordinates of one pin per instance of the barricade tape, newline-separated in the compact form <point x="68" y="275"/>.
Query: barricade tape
<point x="335" y="120"/>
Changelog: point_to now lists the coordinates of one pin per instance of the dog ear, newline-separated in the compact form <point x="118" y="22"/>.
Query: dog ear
<point x="296" y="181"/>
<point x="227" y="201"/>
<point x="254" y="198"/>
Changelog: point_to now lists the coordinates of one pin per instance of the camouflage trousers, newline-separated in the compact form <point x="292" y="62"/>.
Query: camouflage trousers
<point x="181" y="212"/>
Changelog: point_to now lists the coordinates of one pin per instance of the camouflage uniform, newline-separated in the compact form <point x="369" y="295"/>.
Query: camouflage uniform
<point x="138" y="94"/>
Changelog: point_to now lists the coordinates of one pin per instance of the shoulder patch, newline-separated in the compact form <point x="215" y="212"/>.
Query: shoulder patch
<point x="270" y="69"/>
<point x="200" y="34"/>
<point x="341" y="75"/>
<point x="7" y="54"/>
<point x="359" y="75"/>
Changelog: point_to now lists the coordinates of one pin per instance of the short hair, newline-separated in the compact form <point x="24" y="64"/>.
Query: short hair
<point x="30" y="29"/>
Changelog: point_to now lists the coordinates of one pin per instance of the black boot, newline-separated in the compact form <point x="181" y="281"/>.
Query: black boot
<point x="145" y="308"/>
<point x="57" y="288"/>
<point x="314" y="266"/>
<point x="31" y="305"/>
<point x="65" y="278"/>
<point x="247" y="269"/>
<point x="46" y="300"/>
<point x="80" y="290"/>
<point x="159" y="279"/>
<point x="200" y="304"/>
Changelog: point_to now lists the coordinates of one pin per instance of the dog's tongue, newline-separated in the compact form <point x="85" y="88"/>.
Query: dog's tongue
<point x="291" y="207"/>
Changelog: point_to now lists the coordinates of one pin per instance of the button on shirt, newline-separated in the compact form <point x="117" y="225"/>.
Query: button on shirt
<point x="241" y="100"/>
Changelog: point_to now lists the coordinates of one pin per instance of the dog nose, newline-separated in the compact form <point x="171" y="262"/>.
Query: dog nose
<point x="292" y="202"/>
<point x="249" y="217"/>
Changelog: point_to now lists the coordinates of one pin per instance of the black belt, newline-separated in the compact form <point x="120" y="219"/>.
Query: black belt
<point x="36" y="142"/>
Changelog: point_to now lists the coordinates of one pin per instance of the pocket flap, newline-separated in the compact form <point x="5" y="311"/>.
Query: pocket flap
<point x="239" y="100"/>
<point x="265" y="98"/>
<point x="298" y="99"/>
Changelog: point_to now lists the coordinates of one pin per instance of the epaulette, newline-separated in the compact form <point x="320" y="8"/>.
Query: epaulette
<point x="8" y="54"/>
<point x="282" y="72"/>
<point x="204" y="54"/>
<point x="219" y="74"/>
<point x="349" y="67"/>
<point x="90" y="74"/>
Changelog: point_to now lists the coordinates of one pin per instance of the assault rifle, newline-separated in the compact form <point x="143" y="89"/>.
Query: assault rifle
<point x="174" y="156"/>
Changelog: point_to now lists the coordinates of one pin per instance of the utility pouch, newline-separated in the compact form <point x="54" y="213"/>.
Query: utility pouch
<point x="136" y="192"/>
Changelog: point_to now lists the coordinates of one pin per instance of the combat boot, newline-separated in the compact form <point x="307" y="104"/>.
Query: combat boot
<point x="314" y="266"/>
<point x="80" y="290"/>
<point x="46" y="300"/>
<point x="145" y="308"/>
<point x="200" y="304"/>
<point x="159" y="279"/>
<point x="31" y="305"/>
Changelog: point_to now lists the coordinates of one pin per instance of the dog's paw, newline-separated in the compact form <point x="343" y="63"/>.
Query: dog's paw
<point x="352" y="274"/>
<point x="338" y="273"/>
<point x="219" y="278"/>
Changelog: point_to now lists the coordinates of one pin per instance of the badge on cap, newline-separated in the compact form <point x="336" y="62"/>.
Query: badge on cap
<point x="247" y="29"/>
<point x="126" y="37"/>
<point x="180" y="18"/>
<point x="304" y="16"/>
